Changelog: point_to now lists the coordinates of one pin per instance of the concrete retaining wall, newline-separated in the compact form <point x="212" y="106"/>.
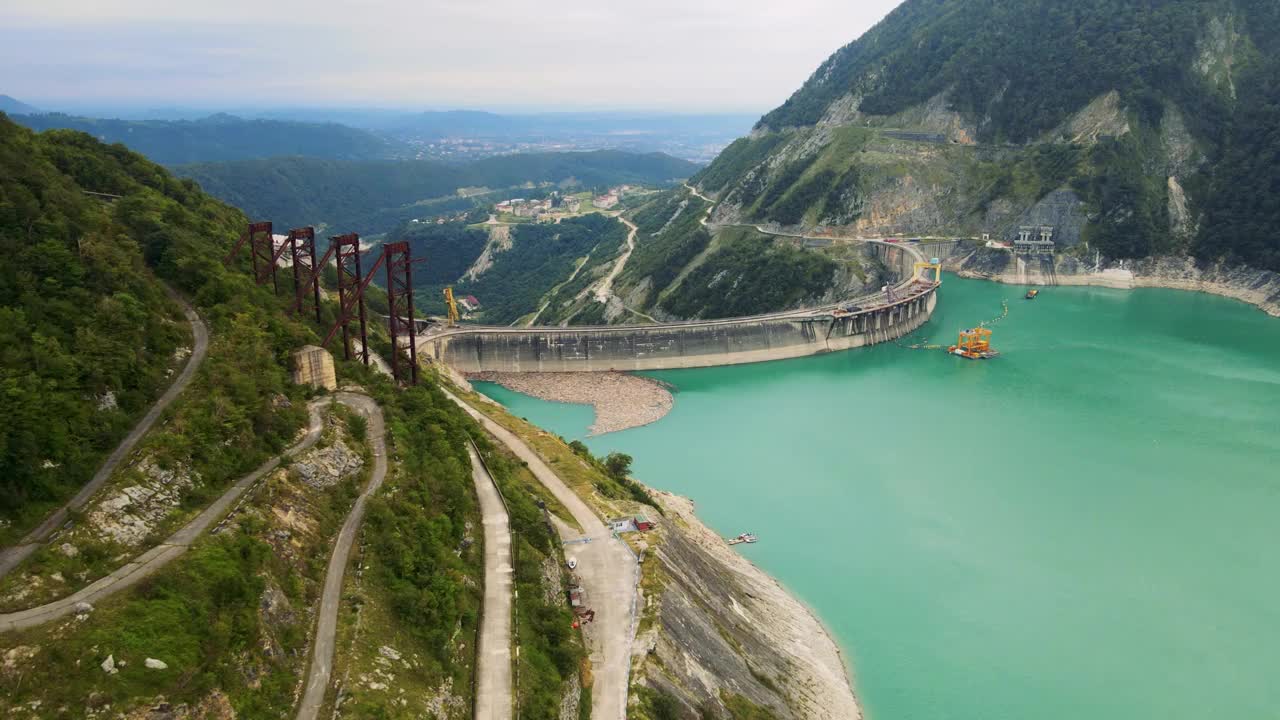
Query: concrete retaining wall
<point x="685" y="345"/>
<point x="692" y="344"/>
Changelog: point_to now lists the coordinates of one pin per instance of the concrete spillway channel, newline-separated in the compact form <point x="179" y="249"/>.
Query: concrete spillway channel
<point x="166" y="552"/>
<point x="699" y="343"/>
<point x="494" y="688"/>
<point x="11" y="557"/>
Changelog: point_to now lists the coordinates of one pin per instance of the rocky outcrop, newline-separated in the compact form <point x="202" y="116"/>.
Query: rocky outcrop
<point x="499" y="241"/>
<point x="325" y="467"/>
<point x="1063" y="210"/>
<point x="1256" y="287"/>
<point x="1219" y="51"/>
<point x="128" y="516"/>
<point x="723" y="627"/>
<point x="216" y="706"/>
<point x="1105" y="117"/>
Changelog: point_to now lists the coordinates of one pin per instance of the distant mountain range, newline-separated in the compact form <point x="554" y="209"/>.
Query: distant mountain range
<point x="178" y="135"/>
<point x="375" y="196"/>
<point x="224" y="137"/>
<point x="13" y="106"/>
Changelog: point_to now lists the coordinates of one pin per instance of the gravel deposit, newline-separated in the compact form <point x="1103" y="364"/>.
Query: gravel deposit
<point x="620" y="400"/>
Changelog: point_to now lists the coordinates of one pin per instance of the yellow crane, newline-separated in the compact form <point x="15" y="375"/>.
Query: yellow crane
<point x="452" y="305"/>
<point x="974" y="344"/>
<point x="933" y="265"/>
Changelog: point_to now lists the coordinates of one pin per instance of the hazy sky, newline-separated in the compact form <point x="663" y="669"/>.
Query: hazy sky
<point x="692" y="55"/>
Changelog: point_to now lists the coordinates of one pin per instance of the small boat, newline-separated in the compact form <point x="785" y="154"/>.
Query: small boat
<point x="743" y="538"/>
<point x="1031" y="294"/>
<point x="572" y="563"/>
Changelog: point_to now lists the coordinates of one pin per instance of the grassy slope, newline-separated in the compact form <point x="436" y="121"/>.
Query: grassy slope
<point x="230" y="618"/>
<point x="216" y="615"/>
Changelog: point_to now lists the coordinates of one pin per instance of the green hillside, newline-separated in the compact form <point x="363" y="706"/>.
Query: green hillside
<point x="375" y="197"/>
<point x="86" y="318"/>
<point x="528" y="263"/>
<point x="86" y="313"/>
<point x="1135" y="128"/>
<point x="223" y="137"/>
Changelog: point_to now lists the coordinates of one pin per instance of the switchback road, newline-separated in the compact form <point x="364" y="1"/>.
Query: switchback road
<point x="11" y="557"/>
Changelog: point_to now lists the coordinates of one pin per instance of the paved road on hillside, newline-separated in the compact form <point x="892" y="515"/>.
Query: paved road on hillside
<point x="321" y="669"/>
<point x="699" y="195"/>
<point x="11" y="557"/>
<point x="157" y="557"/>
<point x="605" y="289"/>
<point x="493" y="656"/>
<point x="608" y="572"/>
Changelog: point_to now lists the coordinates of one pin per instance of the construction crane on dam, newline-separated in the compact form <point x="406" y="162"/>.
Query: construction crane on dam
<point x="452" y="305"/>
<point x="934" y="264"/>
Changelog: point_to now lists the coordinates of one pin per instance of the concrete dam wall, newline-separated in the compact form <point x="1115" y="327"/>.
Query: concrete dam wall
<point x="733" y="341"/>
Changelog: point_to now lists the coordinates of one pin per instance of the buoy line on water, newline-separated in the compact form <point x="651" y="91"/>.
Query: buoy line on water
<point x="1004" y="313"/>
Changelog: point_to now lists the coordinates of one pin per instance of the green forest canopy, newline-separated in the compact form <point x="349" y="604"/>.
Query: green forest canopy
<point x="352" y="195"/>
<point x="1016" y="69"/>
<point x="222" y="137"/>
<point x="84" y="315"/>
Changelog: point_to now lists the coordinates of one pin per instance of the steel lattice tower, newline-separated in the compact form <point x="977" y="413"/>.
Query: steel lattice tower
<point x="346" y="248"/>
<point x="306" y="272"/>
<point x="399" y="264"/>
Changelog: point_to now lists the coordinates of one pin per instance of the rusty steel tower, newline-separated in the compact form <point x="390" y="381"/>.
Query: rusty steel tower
<point x="261" y="251"/>
<point x="399" y="264"/>
<point x="351" y="284"/>
<point x="306" y="271"/>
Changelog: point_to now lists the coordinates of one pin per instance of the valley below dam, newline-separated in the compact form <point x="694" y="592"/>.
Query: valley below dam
<point x="1082" y="527"/>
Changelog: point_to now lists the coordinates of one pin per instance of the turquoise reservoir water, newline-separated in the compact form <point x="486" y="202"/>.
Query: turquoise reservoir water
<point x="1086" y="527"/>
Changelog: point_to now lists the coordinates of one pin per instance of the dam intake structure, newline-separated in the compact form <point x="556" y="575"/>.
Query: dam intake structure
<point x="858" y="322"/>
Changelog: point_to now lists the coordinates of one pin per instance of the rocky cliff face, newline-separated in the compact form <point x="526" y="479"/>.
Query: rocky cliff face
<point x="966" y="119"/>
<point x="723" y="632"/>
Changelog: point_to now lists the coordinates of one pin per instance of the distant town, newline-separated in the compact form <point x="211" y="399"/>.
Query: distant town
<point x="464" y="148"/>
<point x="556" y="206"/>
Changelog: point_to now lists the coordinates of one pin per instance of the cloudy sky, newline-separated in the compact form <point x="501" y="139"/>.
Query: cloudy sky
<point x="684" y="55"/>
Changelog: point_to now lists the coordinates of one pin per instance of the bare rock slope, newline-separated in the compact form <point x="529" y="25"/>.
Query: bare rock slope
<point x="724" y="628"/>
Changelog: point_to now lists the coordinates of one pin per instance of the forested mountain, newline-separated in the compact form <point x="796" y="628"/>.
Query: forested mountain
<point x="223" y="137"/>
<point x="373" y="197"/>
<point x="512" y="269"/>
<point x="88" y="333"/>
<point x="91" y="336"/>
<point x="1131" y="127"/>
<point x="13" y="105"/>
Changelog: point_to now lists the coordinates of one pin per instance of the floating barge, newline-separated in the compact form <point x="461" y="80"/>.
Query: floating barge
<point x="974" y="344"/>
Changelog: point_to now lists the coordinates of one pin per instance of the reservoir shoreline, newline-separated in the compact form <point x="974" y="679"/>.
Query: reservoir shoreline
<point x="1259" y="288"/>
<point x="890" y="561"/>
<point x="620" y="400"/>
<point x="716" y="625"/>
<point x="819" y="675"/>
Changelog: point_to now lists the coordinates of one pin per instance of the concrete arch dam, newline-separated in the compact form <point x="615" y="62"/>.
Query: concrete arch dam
<point x="704" y="343"/>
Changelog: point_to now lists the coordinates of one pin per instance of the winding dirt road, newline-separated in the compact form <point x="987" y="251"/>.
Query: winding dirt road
<point x="608" y="572"/>
<point x="157" y="557"/>
<point x="321" y="670"/>
<point x="12" y="556"/>
<point x="493" y="655"/>
<point x="605" y="289"/>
